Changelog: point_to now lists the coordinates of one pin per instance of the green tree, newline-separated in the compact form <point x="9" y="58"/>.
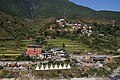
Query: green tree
<point x="63" y="45"/>
<point x="40" y="40"/>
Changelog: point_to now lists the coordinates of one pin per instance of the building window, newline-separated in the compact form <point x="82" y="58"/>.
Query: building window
<point x="34" y="50"/>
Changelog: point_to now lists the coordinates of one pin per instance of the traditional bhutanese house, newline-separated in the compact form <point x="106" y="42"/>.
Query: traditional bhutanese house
<point x="99" y="58"/>
<point x="46" y="55"/>
<point x="33" y="50"/>
<point x="56" y="49"/>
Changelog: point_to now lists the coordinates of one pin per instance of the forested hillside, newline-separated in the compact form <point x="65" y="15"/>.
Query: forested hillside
<point x="12" y="28"/>
<point x="42" y="8"/>
<point x="52" y="8"/>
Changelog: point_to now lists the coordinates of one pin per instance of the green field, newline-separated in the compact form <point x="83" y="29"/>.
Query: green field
<point x="17" y="48"/>
<point x="70" y="46"/>
<point x="13" y="48"/>
<point x="10" y="50"/>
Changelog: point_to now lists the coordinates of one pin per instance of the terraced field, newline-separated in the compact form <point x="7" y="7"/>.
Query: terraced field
<point x="12" y="49"/>
<point x="70" y="46"/>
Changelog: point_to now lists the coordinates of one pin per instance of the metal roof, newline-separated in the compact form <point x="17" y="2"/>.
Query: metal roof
<point x="47" y="53"/>
<point x="56" y="49"/>
<point x="34" y="45"/>
<point x="100" y="56"/>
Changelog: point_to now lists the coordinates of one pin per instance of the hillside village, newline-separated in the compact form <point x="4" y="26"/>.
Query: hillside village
<point x="83" y="27"/>
<point x="58" y="40"/>
<point x="36" y="57"/>
<point x="57" y="59"/>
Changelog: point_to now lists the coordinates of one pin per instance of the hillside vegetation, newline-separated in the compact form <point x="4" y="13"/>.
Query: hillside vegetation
<point x="52" y="8"/>
<point x="25" y="19"/>
<point x="12" y="28"/>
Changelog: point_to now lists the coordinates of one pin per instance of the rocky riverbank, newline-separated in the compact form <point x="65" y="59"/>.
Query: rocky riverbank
<point x="115" y="72"/>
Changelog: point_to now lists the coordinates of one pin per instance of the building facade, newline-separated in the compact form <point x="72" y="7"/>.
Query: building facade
<point x="33" y="50"/>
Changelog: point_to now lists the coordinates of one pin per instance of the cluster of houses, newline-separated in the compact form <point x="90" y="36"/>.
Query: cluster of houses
<point x="84" y="27"/>
<point x="57" y="54"/>
<point x="96" y="60"/>
<point x="8" y="65"/>
<point x="53" y="67"/>
<point x="36" y="50"/>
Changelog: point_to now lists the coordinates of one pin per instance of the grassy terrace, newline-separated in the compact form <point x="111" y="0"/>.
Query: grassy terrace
<point x="12" y="48"/>
<point x="17" y="48"/>
<point x="70" y="46"/>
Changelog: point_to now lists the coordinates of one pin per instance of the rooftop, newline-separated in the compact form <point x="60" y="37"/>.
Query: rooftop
<point x="56" y="49"/>
<point x="47" y="53"/>
<point x="34" y="45"/>
<point x="100" y="56"/>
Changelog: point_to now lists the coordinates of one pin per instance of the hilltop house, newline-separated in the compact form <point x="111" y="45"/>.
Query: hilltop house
<point x="61" y="22"/>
